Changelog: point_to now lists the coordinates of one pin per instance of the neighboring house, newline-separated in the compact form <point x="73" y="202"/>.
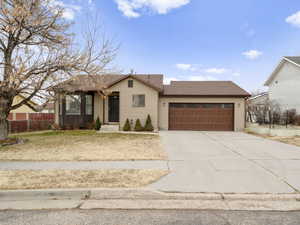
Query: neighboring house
<point x="259" y="99"/>
<point x="284" y="83"/>
<point x="182" y="105"/>
<point x="49" y="108"/>
<point x="27" y="108"/>
<point x="256" y="103"/>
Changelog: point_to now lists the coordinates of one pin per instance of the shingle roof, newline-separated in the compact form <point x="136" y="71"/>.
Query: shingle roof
<point x="295" y="59"/>
<point x="204" y="88"/>
<point x="94" y="83"/>
<point x="176" y="88"/>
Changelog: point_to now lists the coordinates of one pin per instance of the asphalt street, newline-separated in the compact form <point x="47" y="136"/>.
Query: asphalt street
<point x="147" y="217"/>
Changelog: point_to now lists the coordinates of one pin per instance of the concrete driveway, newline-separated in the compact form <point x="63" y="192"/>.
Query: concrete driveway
<point x="229" y="162"/>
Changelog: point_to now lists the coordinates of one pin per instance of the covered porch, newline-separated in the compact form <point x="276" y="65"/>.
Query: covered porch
<point x="79" y="110"/>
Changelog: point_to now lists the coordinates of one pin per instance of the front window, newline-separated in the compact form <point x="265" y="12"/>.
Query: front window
<point x="73" y="104"/>
<point x="130" y="83"/>
<point x="89" y="105"/>
<point x="138" y="100"/>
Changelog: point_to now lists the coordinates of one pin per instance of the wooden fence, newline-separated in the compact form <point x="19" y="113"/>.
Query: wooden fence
<point x="23" y="122"/>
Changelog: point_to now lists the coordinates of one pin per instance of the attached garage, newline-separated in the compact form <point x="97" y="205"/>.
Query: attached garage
<point x="201" y="116"/>
<point x="202" y="106"/>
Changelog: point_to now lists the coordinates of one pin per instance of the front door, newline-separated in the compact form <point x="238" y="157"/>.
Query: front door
<point x="113" y="108"/>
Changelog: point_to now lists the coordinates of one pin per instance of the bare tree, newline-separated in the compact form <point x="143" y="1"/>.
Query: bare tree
<point x="37" y="52"/>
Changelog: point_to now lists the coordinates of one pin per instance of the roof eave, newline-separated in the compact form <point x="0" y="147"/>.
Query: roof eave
<point x="136" y="78"/>
<point x="207" y="96"/>
<point x="278" y="67"/>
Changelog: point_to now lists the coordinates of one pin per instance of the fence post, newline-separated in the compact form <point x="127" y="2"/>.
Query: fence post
<point x="28" y="121"/>
<point x="9" y="127"/>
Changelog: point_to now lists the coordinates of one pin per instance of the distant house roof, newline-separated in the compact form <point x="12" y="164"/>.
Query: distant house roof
<point x="94" y="83"/>
<point x="291" y="59"/>
<point x="295" y="59"/>
<point x="258" y="95"/>
<point x="204" y="88"/>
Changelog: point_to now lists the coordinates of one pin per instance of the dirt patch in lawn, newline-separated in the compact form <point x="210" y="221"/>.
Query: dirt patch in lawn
<point x="84" y="146"/>
<point x="29" y="179"/>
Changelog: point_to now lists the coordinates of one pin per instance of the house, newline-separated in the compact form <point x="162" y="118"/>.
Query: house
<point x="255" y="104"/>
<point x="258" y="99"/>
<point x="284" y="83"/>
<point x="48" y="108"/>
<point x="27" y="108"/>
<point x="182" y="105"/>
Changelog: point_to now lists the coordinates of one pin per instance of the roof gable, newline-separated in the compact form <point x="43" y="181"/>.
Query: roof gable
<point x="295" y="60"/>
<point x="153" y="81"/>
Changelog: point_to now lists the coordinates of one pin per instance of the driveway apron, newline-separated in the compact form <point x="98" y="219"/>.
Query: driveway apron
<point x="228" y="162"/>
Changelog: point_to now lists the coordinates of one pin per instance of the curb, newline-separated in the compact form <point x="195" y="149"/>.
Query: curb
<point x="135" y="194"/>
<point x="106" y="198"/>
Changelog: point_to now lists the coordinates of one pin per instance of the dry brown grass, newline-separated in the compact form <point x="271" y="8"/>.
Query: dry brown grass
<point x="287" y="140"/>
<point x="42" y="179"/>
<point x="84" y="146"/>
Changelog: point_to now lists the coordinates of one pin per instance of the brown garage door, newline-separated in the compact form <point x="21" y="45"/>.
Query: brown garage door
<point x="200" y="116"/>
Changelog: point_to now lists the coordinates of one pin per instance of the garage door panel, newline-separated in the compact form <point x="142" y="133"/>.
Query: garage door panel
<point x="210" y="117"/>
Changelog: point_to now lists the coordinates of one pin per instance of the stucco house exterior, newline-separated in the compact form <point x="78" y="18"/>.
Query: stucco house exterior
<point x="181" y="105"/>
<point x="284" y="83"/>
<point x="24" y="108"/>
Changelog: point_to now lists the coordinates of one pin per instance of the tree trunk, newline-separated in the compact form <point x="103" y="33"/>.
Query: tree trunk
<point x="3" y="129"/>
<point x="4" y="110"/>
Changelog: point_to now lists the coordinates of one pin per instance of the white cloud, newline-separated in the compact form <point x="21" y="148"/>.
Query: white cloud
<point x="294" y="19"/>
<point x="252" y="54"/>
<point x="134" y="8"/>
<point x="167" y="80"/>
<point x="236" y="74"/>
<point x="183" y="66"/>
<point x="68" y="14"/>
<point x="201" y="78"/>
<point x="216" y="70"/>
<point x="70" y="10"/>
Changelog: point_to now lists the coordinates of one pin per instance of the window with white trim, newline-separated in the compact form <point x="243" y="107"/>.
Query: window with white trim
<point x="89" y="104"/>
<point x="73" y="104"/>
<point x="138" y="100"/>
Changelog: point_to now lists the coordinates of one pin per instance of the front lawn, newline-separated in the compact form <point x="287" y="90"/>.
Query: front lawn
<point x="84" y="145"/>
<point x="287" y="140"/>
<point x="44" y="179"/>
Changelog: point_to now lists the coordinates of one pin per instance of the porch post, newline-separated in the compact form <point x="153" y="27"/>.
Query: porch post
<point x="103" y="109"/>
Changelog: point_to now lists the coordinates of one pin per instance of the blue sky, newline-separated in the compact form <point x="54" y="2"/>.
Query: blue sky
<point x="198" y="40"/>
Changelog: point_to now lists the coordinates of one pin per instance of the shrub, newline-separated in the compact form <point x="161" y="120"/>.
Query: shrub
<point x="148" y="125"/>
<point x="138" y="125"/>
<point x="91" y="126"/>
<point x="97" y="124"/>
<point x="55" y="126"/>
<point x="127" y="126"/>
